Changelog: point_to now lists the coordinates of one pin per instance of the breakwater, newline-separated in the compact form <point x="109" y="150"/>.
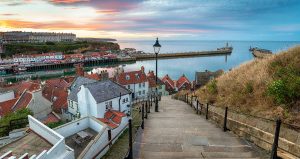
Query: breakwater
<point x="179" y="55"/>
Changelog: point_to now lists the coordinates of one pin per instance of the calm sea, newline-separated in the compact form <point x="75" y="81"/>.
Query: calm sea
<point x="176" y="67"/>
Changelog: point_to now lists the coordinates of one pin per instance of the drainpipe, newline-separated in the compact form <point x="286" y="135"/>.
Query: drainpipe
<point x="120" y="103"/>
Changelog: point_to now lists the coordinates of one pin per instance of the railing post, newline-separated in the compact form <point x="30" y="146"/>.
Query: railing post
<point x="197" y="107"/>
<point x="191" y="100"/>
<point x="109" y="136"/>
<point x="206" y="111"/>
<point x="142" y="116"/>
<point x="149" y="106"/>
<point x="187" y="98"/>
<point x="225" y="120"/>
<point x="276" y="137"/>
<point x="146" y="111"/>
<point x="200" y="108"/>
<point x="130" y="156"/>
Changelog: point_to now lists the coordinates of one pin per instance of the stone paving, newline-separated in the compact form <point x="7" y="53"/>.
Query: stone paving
<point x="177" y="132"/>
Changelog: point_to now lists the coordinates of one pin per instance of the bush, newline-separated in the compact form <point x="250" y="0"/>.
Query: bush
<point x="212" y="86"/>
<point x="278" y="90"/>
<point x="22" y="113"/>
<point x="249" y="87"/>
<point x="55" y="124"/>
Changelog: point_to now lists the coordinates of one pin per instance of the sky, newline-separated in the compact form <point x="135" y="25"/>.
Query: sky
<point x="276" y="20"/>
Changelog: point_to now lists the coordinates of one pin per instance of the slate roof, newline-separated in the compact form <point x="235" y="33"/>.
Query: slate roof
<point x="106" y="90"/>
<point x="74" y="88"/>
<point x="134" y="77"/>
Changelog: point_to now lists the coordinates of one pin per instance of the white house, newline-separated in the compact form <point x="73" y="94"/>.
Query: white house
<point x="136" y="81"/>
<point x="89" y="97"/>
<point x="37" y="57"/>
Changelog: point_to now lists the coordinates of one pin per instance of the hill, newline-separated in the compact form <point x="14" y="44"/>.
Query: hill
<point x="65" y="47"/>
<point x="267" y="87"/>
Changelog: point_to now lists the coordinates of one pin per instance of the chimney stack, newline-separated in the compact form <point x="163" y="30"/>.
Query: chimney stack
<point x="79" y="69"/>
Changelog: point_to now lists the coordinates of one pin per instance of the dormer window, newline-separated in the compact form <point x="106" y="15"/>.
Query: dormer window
<point x="137" y="76"/>
<point x="127" y="77"/>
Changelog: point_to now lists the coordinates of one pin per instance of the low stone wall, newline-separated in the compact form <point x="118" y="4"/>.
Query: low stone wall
<point x="257" y="130"/>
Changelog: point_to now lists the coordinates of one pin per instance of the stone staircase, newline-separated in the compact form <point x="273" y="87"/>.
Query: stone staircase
<point x="177" y="132"/>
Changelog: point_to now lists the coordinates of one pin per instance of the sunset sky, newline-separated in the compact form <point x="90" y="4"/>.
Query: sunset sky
<point x="168" y="19"/>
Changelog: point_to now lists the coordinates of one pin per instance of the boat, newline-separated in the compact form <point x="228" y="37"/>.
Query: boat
<point x="260" y="53"/>
<point x="226" y="48"/>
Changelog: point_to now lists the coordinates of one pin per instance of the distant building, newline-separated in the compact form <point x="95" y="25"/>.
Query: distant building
<point x="161" y="87"/>
<point x="183" y="83"/>
<point x="35" y="37"/>
<point x="201" y="78"/>
<point x="169" y="83"/>
<point x="136" y="81"/>
<point x="45" y="57"/>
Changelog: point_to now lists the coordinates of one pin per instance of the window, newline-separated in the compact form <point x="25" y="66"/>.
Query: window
<point x="71" y="104"/>
<point x="143" y="91"/>
<point x="140" y="85"/>
<point x="144" y="84"/>
<point x="128" y="86"/>
<point x="127" y="77"/>
<point x="124" y="100"/>
<point x="140" y="92"/>
<point x="108" y="105"/>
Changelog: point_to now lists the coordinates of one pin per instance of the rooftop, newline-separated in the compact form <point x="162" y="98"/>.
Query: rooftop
<point x="125" y="78"/>
<point x="74" y="88"/>
<point x="105" y="90"/>
<point x="31" y="144"/>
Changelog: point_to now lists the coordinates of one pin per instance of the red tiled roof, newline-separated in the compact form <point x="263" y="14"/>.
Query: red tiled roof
<point x="57" y="82"/>
<point x="181" y="81"/>
<point x="93" y="76"/>
<point x="112" y="118"/>
<point x="140" y="78"/>
<point x="61" y="101"/>
<point x="23" y="101"/>
<point x="6" y="107"/>
<point x="51" y="118"/>
<point x="108" y="123"/>
<point x="168" y="81"/>
<point x="57" y="96"/>
<point x="19" y="88"/>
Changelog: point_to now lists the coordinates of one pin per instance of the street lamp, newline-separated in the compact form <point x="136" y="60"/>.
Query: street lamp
<point x="156" y="47"/>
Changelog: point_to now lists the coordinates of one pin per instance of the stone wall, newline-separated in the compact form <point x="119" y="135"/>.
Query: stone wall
<point x="260" y="131"/>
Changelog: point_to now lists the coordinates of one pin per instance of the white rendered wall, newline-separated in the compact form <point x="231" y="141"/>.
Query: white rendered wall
<point x="7" y="96"/>
<point x="73" y="127"/>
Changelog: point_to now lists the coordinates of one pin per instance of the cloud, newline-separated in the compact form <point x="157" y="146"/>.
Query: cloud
<point x="105" y="5"/>
<point x="8" y="14"/>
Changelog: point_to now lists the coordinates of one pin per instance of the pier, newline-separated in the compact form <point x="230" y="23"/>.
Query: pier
<point x="183" y="54"/>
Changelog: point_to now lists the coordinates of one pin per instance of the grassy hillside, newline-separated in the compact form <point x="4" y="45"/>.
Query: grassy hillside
<point x="264" y="87"/>
<point x="65" y="47"/>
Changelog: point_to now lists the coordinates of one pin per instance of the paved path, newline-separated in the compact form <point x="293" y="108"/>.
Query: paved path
<point x="177" y="132"/>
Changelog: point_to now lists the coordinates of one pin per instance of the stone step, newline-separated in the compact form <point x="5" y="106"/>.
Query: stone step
<point x="227" y="149"/>
<point x="180" y="155"/>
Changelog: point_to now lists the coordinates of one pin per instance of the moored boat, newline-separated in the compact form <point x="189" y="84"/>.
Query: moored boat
<point x="260" y="53"/>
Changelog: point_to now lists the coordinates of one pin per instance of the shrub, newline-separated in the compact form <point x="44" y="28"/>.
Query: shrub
<point x="249" y="87"/>
<point x="278" y="90"/>
<point x="55" y="124"/>
<point x="212" y="86"/>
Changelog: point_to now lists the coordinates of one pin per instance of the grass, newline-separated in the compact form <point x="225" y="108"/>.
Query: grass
<point x="267" y="87"/>
<point x="120" y="147"/>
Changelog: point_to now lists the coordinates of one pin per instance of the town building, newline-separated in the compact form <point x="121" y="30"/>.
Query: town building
<point x="161" y="87"/>
<point x="91" y="97"/>
<point x="183" y="83"/>
<point x="202" y="78"/>
<point x="45" y="57"/>
<point x="136" y="81"/>
<point x="35" y="37"/>
<point x="27" y="94"/>
<point x="169" y="83"/>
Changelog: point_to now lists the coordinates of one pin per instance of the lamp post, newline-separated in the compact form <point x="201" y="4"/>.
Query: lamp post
<point x="156" y="47"/>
